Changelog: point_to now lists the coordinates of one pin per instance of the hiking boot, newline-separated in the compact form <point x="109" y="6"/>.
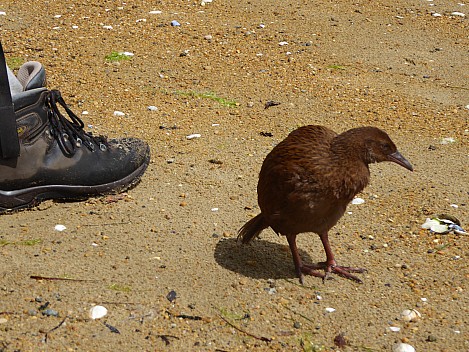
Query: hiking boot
<point x="58" y="158"/>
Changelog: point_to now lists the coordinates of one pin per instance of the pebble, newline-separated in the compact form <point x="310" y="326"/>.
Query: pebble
<point x="330" y="310"/>
<point x="118" y="113"/>
<point x="3" y="320"/>
<point x="50" y="313"/>
<point x="175" y="23"/>
<point x="171" y="296"/>
<point x="208" y="37"/>
<point x="394" y="328"/>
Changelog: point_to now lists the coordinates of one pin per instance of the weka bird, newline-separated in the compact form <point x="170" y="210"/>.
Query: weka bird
<point x="308" y="179"/>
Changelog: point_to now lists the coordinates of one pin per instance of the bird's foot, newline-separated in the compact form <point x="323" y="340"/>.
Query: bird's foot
<point x="344" y="271"/>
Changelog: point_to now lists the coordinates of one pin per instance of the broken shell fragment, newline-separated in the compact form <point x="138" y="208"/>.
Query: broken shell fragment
<point x="98" y="312"/>
<point x="410" y="315"/>
<point x="444" y="224"/>
<point x="403" y="347"/>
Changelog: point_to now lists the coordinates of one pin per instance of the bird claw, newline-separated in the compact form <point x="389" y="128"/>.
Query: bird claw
<point x="329" y="269"/>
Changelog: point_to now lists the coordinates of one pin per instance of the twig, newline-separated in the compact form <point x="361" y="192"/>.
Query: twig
<point x="165" y="338"/>
<point x="301" y="315"/>
<point x="55" y="328"/>
<point x="108" y="224"/>
<point x="456" y="87"/>
<point x="39" y="277"/>
<point x="261" y="338"/>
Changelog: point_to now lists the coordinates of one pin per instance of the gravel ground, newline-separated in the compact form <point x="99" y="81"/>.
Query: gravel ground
<point x="398" y="66"/>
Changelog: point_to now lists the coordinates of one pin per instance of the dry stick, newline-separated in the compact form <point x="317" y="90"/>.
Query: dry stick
<point x="301" y="315"/>
<point x="262" y="338"/>
<point x="39" y="277"/>
<point x="58" y="326"/>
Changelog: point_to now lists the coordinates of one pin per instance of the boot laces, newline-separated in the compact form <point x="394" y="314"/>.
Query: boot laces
<point x="70" y="135"/>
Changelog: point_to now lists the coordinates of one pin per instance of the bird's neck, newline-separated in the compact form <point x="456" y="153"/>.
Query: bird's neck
<point x="350" y="161"/>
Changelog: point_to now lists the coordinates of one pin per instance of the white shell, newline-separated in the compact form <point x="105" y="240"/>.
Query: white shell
<point x="330" y="310"/>
<point x="118" y="113"/>
<point x="403" y="347"/>
<point x="435" y="226"/>
<point x="97" y="312"/>
<point x="192" y="136"/>
<point x="358" y="201"/>
<point x="60" y="227"/>
<point x="410" y="315"/>
<point x="395" y="328"/>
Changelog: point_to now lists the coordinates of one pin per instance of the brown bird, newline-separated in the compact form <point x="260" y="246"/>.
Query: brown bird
<point x="308" y="179"/>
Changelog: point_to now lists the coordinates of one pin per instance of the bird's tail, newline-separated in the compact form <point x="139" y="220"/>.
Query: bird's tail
<point x="252" y="228"/>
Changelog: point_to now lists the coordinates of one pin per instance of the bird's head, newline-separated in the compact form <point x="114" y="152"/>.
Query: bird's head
<point x="379" y="147"/>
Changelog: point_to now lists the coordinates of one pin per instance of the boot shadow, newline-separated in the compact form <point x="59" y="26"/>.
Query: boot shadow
<point x="259" y="259"/>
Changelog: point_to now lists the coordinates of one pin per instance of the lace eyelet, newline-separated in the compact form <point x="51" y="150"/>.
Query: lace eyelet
<point x="102" y="147"/>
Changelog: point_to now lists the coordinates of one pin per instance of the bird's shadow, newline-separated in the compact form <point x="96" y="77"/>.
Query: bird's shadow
<point x="259" y="260"/>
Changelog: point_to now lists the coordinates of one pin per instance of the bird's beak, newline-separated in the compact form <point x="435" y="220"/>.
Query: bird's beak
<point x="400" y="160"/>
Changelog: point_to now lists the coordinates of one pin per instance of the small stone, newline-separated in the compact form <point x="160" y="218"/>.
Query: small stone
<point x="171" y="296"/>
<point x="50" y="313"/>
<point x="175" y="23"/>
<point x="297" y="325"/>
<point x="431" y="338"/>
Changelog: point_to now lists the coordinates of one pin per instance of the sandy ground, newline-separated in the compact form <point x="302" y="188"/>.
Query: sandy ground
<point x="394" y="65"/>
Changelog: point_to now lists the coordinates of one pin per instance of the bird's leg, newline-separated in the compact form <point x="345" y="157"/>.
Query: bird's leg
<point x="300" y="268"/>
<point x="331" y="265"/>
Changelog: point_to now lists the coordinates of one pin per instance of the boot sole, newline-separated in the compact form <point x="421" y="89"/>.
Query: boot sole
<point x="29" y="197"/>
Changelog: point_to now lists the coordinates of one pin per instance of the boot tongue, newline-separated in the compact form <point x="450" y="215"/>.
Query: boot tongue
<point x="32" y="75"/>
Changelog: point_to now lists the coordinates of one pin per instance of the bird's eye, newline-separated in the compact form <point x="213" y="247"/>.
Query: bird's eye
<point x="386" y="148"/>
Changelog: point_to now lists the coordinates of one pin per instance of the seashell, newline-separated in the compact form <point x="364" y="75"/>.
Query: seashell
<point x="194" y="135"/>
<point x="358" y="201"/>
<point x="403" y="347"/>
<point x="330" y="310"/>
<point x="118" y="113"/>
<point x="410" y="315"/>
<point x="60" y="228"/>
<point x="98" y="312"/>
